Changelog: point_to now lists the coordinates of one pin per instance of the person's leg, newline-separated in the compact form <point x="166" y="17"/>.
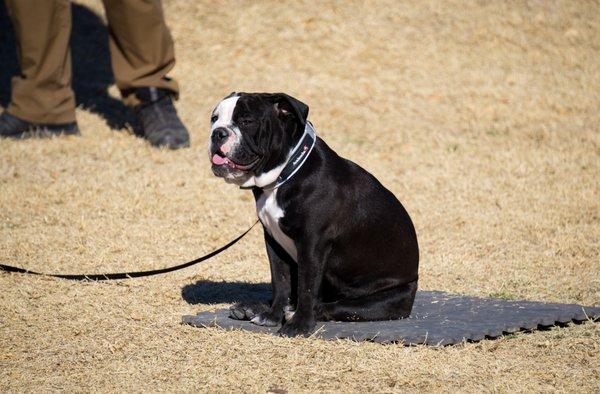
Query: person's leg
<point x="141" y="47"/>
<point x="142" y="55"/>
<point x="42" y="93"/>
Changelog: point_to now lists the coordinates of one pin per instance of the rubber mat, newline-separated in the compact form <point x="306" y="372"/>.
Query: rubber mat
<point x="437" y="318"/>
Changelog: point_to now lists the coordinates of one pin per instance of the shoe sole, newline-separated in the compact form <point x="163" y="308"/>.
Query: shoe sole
<point x="43" y="133"/>
<point x="173" y="147"/>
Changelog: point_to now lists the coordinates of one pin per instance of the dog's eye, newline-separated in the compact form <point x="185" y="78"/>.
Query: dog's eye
<point x="214" y="118"/>
<point x="246" y="122"/>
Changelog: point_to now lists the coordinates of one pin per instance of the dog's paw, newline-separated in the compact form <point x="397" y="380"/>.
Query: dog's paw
<point x="266" y="319"/>
<point x="297" y="327"/>
<point x="288" y="312"/>
<point x="246" y="310"/>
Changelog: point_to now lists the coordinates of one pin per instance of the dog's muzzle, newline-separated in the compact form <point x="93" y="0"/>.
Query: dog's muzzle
<point x="227" y="153"/>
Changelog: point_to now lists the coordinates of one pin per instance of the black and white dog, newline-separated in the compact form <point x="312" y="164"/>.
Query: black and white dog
<point x="340" y="245"/>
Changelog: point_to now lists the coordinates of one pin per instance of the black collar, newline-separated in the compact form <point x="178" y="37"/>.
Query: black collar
<point x="299" y="155"/>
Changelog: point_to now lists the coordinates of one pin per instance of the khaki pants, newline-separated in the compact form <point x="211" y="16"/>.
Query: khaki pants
<point x="140" y="45"/>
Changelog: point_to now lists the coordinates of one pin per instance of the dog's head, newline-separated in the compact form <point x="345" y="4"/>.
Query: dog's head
<point x="252" y="135"/>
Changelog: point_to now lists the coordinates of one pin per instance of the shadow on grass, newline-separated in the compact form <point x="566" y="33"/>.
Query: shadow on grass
<point x="209" y="292"/>
<point x="92" y="73"/>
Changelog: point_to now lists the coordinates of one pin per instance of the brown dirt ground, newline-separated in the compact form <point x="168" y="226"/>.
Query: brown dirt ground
<point x="482" y="117"/>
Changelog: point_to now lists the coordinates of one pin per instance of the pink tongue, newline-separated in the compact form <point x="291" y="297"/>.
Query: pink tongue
<point x="218" y="160"/>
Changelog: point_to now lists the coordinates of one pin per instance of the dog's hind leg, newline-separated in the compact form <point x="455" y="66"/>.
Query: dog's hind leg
<point x="390" y="304"/>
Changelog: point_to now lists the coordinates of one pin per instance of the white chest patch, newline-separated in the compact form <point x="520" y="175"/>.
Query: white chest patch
<point x="269" y="214"/>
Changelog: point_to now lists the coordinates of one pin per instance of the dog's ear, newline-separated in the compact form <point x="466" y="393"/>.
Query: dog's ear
<point x="286" y="105"/>
<point x="230" y="95"/>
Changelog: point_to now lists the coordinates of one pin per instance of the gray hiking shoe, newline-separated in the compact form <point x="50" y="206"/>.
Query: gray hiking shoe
<point x="158" y="118"/>
<point x="13" y="127"/>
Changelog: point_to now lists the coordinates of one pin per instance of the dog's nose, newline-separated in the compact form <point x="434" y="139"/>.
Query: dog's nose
<point x="219" y="135"/>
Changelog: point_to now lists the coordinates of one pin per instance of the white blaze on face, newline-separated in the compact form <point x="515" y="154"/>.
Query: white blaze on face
<point x="224" y="112"/>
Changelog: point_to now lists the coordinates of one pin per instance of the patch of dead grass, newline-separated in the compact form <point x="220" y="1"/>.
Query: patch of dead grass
<point x="481" y="117"/>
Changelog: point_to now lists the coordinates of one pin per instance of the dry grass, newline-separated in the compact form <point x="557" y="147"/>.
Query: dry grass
<point x="482" y="117"/>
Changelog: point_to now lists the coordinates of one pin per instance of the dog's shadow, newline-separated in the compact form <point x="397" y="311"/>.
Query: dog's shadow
<point x="209" y="292"/>
<point x="92" y="73"/>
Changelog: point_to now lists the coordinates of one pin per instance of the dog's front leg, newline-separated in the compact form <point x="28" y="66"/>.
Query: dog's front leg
<point x="311" y="262"/>
<point x="281" y="283"/>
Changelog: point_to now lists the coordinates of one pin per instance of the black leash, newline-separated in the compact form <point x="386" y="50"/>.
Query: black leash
<point x="127" y="275"/>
